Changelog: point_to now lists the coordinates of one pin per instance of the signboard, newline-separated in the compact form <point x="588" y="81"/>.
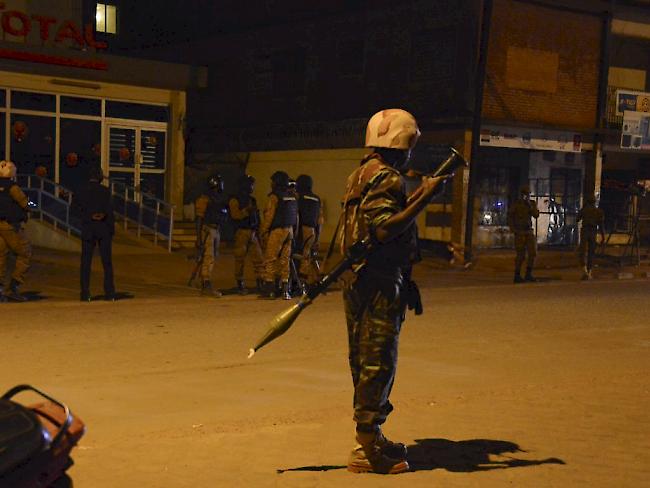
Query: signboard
<point x="536" y="139"/>
<point x="636" y="131"/>
<point x="633" y="101"/>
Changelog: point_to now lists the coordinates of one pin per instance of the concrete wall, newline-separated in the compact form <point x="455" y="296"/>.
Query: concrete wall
<point x="43" y="235"/>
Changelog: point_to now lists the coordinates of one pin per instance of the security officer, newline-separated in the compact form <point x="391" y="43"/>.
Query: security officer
<point x="13" y="212"/>
<point x="519" y="219"/>
<point x="310" y="212"/>
<point x="246" y="218"/>
<point x="93" y="201"/>
<point x="593" y="218"/>
<point x="210" y="214"/>
<point x="375" y="298"/>
<point x="277" y="230"/>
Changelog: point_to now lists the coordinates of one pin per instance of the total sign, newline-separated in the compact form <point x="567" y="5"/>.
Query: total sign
<point x="21" y="24"/>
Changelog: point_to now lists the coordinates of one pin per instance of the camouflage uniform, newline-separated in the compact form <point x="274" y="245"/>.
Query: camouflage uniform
<point x="13" y="203"/>
<point x="280" y="217"/>
<point x="245" y="215"/>
<point x="519" y="219"/>
<point x="374" y="301"/>
<point x="592" y="217"/>
<point x="212" y="214"/>
<point x="311" y="221"/>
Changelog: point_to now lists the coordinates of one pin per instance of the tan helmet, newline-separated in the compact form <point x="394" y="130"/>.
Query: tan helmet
<point x="393" y="128"/>
<point x="7" y="169"/>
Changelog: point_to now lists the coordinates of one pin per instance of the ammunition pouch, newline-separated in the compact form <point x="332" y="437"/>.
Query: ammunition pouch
<point x="413" y="297"/>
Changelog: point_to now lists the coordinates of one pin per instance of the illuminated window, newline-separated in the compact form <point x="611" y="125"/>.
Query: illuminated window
<point x="106" y="18"/>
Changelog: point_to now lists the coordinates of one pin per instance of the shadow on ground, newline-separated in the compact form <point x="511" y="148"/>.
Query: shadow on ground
<point x="456" y="456"/>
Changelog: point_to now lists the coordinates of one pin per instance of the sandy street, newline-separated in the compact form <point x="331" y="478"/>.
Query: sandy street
<point x="542" y="385"/>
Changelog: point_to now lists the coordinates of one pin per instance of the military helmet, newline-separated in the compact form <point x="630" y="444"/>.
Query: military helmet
<point x="392" y="129"/>
<point x="215" y="181"/>
<point x="95" y="173"/>
<point x="280" y="178"/>
<point x="7" y="169"/>
<point x="304" y="183"/>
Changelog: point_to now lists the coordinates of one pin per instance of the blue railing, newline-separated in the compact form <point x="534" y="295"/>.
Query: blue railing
<point x="147" y="213"/>
<point x="53" y="202"/>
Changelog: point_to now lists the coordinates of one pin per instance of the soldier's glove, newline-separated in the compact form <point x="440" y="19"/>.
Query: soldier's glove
<point x="413" y="298"/>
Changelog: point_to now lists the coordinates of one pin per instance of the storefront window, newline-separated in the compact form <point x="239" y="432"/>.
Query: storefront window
<point x="153" y="149"/>
<point x="32" y="144"/>
<point x="3" y="124"/>
<point x="494" y="193"/>
<point x="137" y="111"/>
<point x="81" y="106"/>
<point x="41" y="102"/>
<point x="80" y="149"/>
<point x="3" y="98"/>
<point x="106" y="18"/>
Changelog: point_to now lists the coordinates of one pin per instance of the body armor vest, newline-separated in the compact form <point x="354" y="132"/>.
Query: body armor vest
<point x="286" y="214"/>
<point x="521" y="215"/>
<point x="10" y="210"/>
<point x="252" y="221"/>
<point x="216" y="213"/>
<point x="309" y="209"/>
<point x="592" y="217"/>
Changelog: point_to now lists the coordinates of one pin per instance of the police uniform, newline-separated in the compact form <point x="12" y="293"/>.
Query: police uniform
<point x="246" y="218"/>
<point x="310" y="211"/>
<point x="519" y="219"/>
<point x="13" y="206"/>
<point x="280" y="218"/>
<point x="93" y="202"/>
<point x="211" y="214"/>
<point x="592" y="218"/>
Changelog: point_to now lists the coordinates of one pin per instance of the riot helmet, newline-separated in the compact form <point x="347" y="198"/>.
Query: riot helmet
<point x="280" y="179"/>
<point x="215" y="183"/>
<point x="7" y="169"/>
<point x="246" y="184"/>
<point x="304" y="184"/>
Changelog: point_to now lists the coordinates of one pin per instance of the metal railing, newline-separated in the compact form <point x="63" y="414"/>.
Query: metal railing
<point x="54" y="202"/>
<point x="149" y="215"/>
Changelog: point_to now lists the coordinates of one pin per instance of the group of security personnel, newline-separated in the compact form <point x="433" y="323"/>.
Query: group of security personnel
<point x="520" y="220"/>
<point x="287" y="230"/>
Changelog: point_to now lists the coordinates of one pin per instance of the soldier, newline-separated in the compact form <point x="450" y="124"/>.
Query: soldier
<point x="519" y="219"/>
<point x="375" y="205"/>
<point x="210" y="215"/>
<point x="593" y="218"/>
<point x="310" y="213"/>
<point x="13" y="212"/>
<point x="93" y="201"/>
<point x="277" y="230"/>
<point x="246" y="217"/>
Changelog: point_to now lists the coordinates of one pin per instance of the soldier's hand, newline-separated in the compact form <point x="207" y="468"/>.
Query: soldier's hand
<point x="431" y="183"/>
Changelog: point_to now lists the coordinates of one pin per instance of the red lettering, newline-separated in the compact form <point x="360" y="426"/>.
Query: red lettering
<point x="89" y="35"/>
<point x="44" y="25"/>
<point x="25" y="23"/>
<point x="68" y="30"/>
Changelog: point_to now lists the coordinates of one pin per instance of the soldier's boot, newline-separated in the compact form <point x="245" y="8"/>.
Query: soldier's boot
<point x="208" y="290"/>
<point x="367" y="457"/>
<point x="304" y="287"/>
<point x="529" y="275"/>
<point x="259" y="283"/>
<point x="395" y="450"/>
<point x="589" y="276"/>
<point x="85" y="296"/>
<point x="267" y="290"/>
<point x="241" y="287"/>
<point x="14" y="293"/>
<point x="518" y="278"/>
<point x="286" y="292"/>
<point x="585" y="273"/>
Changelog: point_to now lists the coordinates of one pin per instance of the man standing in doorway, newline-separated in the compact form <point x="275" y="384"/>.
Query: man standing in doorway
<point x="593" y="218"/>
<point x="246" y="217"/>
<point x="520" y="217"/>
<point x="13" y="212"/>
<point x="210" y="215"/>
<point x="93" y="201"/>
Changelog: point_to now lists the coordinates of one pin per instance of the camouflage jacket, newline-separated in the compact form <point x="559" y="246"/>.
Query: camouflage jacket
<point x="591" y="217"/>
<point x="520" y="214"/>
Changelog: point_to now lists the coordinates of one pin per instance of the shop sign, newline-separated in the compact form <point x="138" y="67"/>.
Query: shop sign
<point x="633" y="101"/>
<point x="536" y="139"/>
<point x="636" y="131"/>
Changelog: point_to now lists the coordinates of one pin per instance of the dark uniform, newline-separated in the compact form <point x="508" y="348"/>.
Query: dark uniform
<point x="592" y="219"/>
<point x="93" y="201"/>
<point x="246" y="218"/>
<point x="13" y="207"/>
<point x="277" y="229"/>
<point x="310" y="216"/>
<point x="211" y="214"/>
<point x="519" y="219"/>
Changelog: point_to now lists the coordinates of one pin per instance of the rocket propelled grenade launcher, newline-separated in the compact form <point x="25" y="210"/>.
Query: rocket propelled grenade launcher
<point x="355" y="254"/>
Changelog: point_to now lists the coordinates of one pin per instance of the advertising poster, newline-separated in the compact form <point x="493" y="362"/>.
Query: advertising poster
<point x="632" y="101"/>
<point x="536" y="139"/>
<point x="636" y="131"/>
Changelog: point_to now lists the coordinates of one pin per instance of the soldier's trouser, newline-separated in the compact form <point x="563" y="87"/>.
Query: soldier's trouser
<point x="104" y="242"/>
<point x="307" y="266"/>
<point x="210" y="238"/>
<point x="15" y="241"/>
<point x="277" y="254"/>
<point x="374" y="314"/>
<point x="247" y="243"/>
<point x="525" y="243"/>
<point x="587" y="247"/>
